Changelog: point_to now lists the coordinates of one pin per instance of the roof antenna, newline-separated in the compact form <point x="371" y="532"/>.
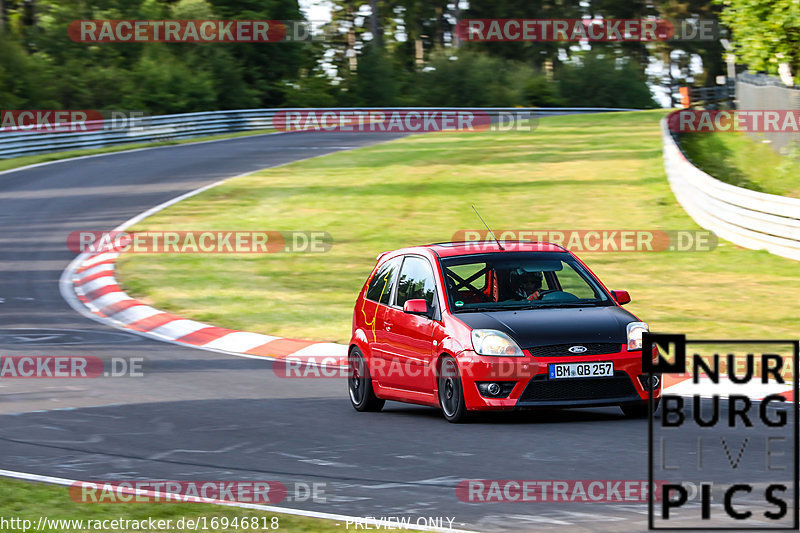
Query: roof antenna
<point x="487" y="227"/>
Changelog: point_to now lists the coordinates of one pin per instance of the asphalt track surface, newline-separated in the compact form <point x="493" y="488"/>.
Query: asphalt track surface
<point x="199" y="415"/>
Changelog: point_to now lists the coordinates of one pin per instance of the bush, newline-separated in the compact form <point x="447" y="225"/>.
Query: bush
<point x="599" y="80"/>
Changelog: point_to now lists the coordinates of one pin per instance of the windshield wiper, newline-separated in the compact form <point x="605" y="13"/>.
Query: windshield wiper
<point x="532" y="305"/>
<point x="496" y="308"/>
<point x="476" y="309"/>
<point x="562" y="304"/>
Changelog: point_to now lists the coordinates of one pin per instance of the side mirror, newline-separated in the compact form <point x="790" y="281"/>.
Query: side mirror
<point x="622" y="297"/>
<point x="417" y="307"/>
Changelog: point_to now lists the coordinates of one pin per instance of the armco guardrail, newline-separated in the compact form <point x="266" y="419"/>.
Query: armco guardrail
<point x="185" y="126"/>
<point x="748" y="218"/>
<point x="148" y="129"/>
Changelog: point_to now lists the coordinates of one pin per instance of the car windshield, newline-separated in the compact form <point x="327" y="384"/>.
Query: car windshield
<point x="519" y="280"/>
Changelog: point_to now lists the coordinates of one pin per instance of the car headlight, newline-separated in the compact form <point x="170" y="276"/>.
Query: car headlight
<point x="493" y="342"/>
<point x="635" y="330"/>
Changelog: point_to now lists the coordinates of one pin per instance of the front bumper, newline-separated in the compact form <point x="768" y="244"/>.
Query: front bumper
<point x="532" y="387"/>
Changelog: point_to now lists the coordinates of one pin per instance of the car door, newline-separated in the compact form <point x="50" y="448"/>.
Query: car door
<point x="409" y="336"/>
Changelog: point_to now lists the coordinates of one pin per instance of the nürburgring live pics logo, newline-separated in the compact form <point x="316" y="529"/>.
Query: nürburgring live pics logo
<point x="728" y="429"/>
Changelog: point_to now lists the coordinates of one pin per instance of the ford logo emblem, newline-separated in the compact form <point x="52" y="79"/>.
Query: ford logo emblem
<point x="577" y="349"/>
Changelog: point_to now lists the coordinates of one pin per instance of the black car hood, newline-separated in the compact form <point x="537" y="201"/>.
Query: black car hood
<point x="540" y="327"/>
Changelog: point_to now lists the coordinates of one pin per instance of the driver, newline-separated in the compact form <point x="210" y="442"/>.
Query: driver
<point x="530" y="286"/>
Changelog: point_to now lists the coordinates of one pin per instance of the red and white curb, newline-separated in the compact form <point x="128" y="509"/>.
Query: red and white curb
<point x="89" y="286"/>
<point x="97" y="288"/>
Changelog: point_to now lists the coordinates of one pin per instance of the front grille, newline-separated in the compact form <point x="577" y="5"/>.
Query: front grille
<point x="542" y="389"/>
<point x="592" y="348"/>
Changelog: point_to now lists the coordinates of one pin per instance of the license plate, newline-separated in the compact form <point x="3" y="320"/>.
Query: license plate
<point x="581" y="370"/>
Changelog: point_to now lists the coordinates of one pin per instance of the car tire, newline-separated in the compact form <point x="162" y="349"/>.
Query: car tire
<point x="451" y="392"/>
<point x="638" y="410"/>
<point x="359" y="384"/>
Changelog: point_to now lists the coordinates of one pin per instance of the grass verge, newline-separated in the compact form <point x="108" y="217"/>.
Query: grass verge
<point x="23" y="161"/>
<point x="735" y="158"/>
<point x="601" y="172"/>
<point x="29" y="501"/>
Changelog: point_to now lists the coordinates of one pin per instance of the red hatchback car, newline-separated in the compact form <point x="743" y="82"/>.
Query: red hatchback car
<point x="508" y="325"/>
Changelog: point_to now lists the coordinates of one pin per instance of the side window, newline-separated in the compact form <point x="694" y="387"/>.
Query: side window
<point x="416" y="281"/>
<point x="380" y="288"/>
<point x="573" y="283"/>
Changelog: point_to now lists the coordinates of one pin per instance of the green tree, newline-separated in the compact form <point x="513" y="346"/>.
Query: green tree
<point x="377" y="79"/>
<point x="267" y="67"/>
<point x="168" y="85"/>
<point x="677" y="55"/>
<point x="765" y="33"/>
<point x="41" y="67"/>
<point x="214" y="62"/>
<point x="24" y="80"/>
<point x="538" y="91"/>
<point x="474" y="79"/>
<point x="604" y="80"/>
<point x="535" y="54"/>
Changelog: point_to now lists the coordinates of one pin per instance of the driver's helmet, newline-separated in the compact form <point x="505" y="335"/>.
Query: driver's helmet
<point x="522" y="277"/>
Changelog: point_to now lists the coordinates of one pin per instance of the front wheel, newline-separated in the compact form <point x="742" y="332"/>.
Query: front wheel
<point x="451" y="392"/>
<point x="359" y="384"/>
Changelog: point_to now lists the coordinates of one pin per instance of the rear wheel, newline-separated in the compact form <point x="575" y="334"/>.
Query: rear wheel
<point x="638" y="410"/>
<point x="359" y="383"/>
<point x="451" y="392"/>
